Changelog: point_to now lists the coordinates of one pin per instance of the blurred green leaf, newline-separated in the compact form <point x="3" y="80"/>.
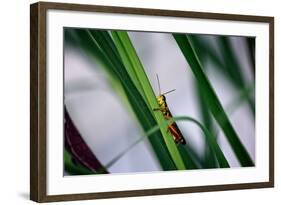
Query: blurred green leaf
<point x="204" y="52"/>
<point x="212" y="100"/>
<point x="233" y="67"/>
<point x="211" y="139"/>
<point x="190" y="159"/>
<point x="80" y="38"/>
<point x="209" y="155"/>
<point x="227" y="64"/>
<point x="241" y="98"/>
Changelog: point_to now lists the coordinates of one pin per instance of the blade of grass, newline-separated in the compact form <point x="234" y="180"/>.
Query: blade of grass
<point x="209" y="156"/>
<point x="212" y="100"/>
<point x="223" y="163"/>
<point x="194" y="156"/>
<point x="236" y="102"/>
<point x="204" y="52"/>
<point x="190" y="160"/>
<point x="135" y="68"/>
<point x="143" y="113"/>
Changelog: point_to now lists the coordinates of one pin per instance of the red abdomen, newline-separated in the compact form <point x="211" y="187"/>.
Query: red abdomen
<point x="174" y="130"/>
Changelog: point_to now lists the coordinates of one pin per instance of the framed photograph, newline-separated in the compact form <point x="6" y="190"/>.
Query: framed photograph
<point x="134" y="102"/>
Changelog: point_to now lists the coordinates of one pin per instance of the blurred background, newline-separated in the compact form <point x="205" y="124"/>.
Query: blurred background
<point x="108" y="126"/>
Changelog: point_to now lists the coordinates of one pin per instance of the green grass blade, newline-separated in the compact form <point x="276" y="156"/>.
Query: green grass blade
<point x="236" y="102"/>
<point x="212" y="100"/>
<point x="190" y="160"/>
<point x="196" y="158"/>
<point x="134" y="66"/>
<point x="127" y="61"/>
<point x="139" y="106"/>
<point x="209" y="156"/>
<point x="211" y="139"/>
<point x="205" y="51"/>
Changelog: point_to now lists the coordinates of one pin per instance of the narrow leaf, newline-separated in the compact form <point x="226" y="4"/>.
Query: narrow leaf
<point x="212" y="100"/>
<point x="133" y="64"/>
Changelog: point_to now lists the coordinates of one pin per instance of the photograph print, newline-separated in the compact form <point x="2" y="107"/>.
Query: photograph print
<point x="137" y="102"/>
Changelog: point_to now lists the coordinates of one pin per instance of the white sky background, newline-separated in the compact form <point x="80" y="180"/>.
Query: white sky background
<point x="104" y="121"/>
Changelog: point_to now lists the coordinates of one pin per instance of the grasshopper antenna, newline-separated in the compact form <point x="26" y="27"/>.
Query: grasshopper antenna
<point x="159" y="89"/>
<point x="168" y="92"/>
